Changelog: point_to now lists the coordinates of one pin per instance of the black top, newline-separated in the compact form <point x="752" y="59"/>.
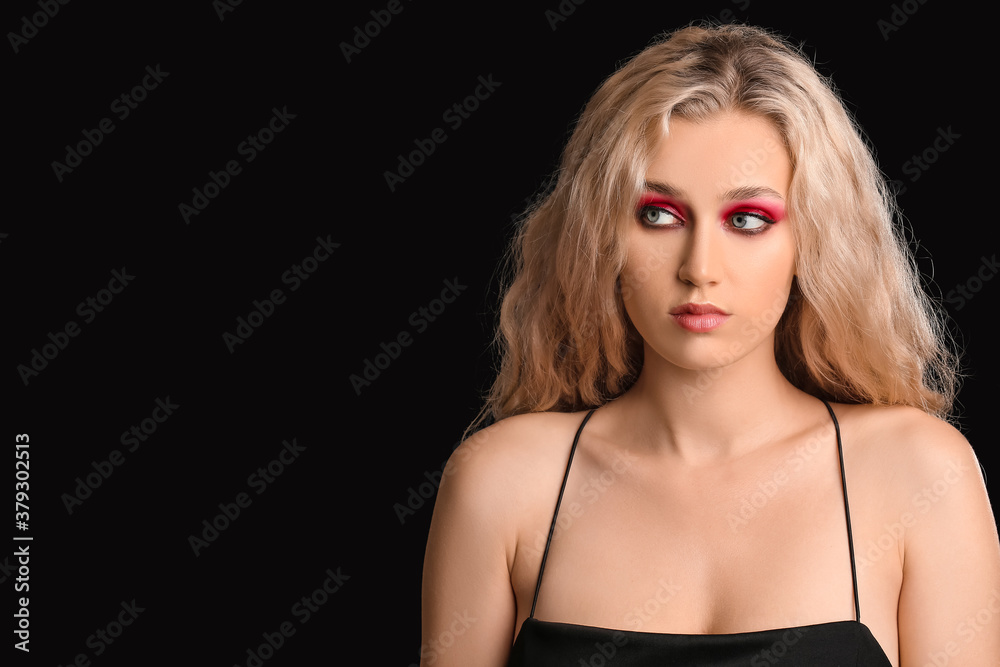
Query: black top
<point x="551" y="644"/>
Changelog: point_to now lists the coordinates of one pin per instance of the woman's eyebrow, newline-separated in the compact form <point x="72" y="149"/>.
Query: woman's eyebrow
<point x="751" y="192"/>
<point x="742" y="192"/>
<point x="663" y="189"/>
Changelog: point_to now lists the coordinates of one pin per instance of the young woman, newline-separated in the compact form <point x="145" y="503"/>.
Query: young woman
<point x="716" y="339"/>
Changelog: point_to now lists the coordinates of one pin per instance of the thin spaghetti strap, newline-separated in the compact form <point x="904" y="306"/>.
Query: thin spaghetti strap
<point x="847" y="513"/>
<point x="555" y="515"/>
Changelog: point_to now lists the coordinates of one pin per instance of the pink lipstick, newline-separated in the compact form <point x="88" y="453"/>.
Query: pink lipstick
<point x="699" y="317"/>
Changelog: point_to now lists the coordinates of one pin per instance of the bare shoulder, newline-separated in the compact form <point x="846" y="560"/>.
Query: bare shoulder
<point x="511" y="455"/>
<point x="507" y="470"/>
<point x="525" y="434"/>
<point x="923" y="477"/>
<point x="918" y="466"/>
<point x="905" y="448"/>
<point x="490" y="487"/>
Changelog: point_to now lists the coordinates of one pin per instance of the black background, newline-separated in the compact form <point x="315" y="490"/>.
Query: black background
<point x="323" y="176"/>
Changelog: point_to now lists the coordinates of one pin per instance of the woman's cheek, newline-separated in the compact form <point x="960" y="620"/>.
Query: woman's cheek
<point x="625" y="287"/>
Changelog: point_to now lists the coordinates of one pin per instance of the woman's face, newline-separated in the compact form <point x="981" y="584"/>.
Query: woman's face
<point x="710" y="233"/>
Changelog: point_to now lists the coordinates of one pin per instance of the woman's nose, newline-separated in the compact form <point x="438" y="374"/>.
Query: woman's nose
<point x="702" y="261"/>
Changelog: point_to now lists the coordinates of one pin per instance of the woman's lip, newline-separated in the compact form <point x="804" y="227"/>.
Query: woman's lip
<point x="698" y="309"/>
<point x="700" y="323"/>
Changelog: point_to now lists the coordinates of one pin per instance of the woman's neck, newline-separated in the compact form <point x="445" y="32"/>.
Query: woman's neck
<point x="711" y="415"/>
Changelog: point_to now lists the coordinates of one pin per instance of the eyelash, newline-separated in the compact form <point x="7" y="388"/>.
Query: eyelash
<point x="740" y="230"/>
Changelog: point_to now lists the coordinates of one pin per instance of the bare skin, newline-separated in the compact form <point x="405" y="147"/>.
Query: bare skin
<point x="708" y="499"/>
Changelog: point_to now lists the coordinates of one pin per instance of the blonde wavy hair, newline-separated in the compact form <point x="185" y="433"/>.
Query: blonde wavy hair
<point x="858" y="327"/>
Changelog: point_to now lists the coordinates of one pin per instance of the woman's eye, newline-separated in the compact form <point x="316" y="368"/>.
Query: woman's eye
<point x="750" y="221"/>
<point x="656" y="216"/>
